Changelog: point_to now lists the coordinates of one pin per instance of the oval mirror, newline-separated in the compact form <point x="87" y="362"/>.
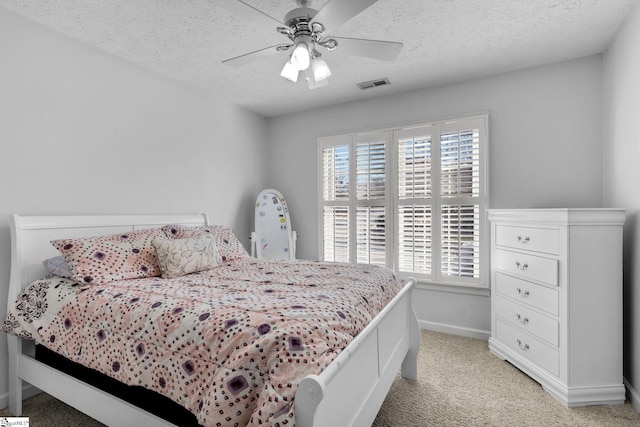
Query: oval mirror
<point x="273" y="237"/>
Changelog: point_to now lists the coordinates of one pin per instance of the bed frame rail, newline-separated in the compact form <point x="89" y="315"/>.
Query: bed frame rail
<point x="99" y="404"/>
<point x="350" y="391"/>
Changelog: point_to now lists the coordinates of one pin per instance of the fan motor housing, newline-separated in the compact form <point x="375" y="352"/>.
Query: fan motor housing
<point x="298" y="16"/>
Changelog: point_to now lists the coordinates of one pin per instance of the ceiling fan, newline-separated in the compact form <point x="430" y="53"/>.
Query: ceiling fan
<point x="305" y="28"/>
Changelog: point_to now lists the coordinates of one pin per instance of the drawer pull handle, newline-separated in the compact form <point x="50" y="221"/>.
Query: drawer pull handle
<point x="523" y="347"/>
<point x="522" y="293"/>
<point x="522" y="267"/>
<point x="523" y="320"/>
<point x="523" y="240"/>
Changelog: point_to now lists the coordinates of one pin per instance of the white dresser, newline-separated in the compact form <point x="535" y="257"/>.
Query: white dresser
<point x="556" y="299"/>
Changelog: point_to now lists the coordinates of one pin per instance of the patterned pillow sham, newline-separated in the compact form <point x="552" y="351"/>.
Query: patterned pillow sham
<point x="58" y="266"/>
<point x="179" y="257"/>
<point x="103" y="259"/>
<point x="228" y="244"/>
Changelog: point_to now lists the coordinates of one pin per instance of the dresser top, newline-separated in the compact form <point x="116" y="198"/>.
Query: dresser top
<point x="562" y="216"/>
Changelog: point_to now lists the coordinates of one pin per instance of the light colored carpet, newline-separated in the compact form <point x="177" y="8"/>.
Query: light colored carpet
<point x="459" y="384"/>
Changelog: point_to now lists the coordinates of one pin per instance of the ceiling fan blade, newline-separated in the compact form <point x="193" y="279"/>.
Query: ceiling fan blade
<point x="252" y="56"/>
<point x="337" y="12"/>
<point x="248" y="11"/>
<point x="376" y="49"/>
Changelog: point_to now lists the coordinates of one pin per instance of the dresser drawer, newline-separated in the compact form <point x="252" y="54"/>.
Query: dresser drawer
<point x="528" y="346"/>
<point x="541" y="326"/>
<point x="528" y="266"/>
<point x="538" y="296"/>
<point x="544" y="240"/>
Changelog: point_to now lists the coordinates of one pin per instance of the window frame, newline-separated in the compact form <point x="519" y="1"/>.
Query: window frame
<point x="392" y="201"/>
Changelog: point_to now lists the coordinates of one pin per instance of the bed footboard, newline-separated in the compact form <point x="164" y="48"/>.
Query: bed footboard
<point x="351" y="390"/>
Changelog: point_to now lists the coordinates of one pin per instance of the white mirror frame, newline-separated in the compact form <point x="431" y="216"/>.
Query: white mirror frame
<point x="273" y="237"/>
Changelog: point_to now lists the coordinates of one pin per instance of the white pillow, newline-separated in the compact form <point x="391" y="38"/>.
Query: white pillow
<point x="183" y="256"/>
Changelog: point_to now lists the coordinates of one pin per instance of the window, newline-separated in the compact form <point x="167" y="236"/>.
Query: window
<point x="412" y="199"/>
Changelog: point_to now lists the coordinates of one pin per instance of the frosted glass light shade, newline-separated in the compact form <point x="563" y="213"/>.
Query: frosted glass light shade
<point x="290" y="72"/>
<point x="320" y="69"/>
<point x="315" y="85"/>
<point x="312" y="82"/>
<point x="300" y="57"/>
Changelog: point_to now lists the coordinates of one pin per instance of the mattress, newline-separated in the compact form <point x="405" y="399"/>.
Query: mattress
<point x="141" y="397"/>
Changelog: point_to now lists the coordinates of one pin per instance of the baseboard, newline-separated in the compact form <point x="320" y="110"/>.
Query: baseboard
<point x="632" y="395"/>
<point x="454" y="330"/>
<point x="27" y="391"/>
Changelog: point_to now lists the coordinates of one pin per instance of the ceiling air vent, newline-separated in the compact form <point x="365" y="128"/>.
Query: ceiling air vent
<point x="373" y="83"/>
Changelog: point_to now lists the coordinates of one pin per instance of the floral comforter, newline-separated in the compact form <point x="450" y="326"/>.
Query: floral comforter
<point x="230" y="344"/>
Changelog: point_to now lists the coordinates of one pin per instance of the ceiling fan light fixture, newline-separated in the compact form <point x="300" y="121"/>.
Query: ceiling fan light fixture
<point x="300" y="58"/>
<point x="305" y="29"/>
<point x="290" y="72"/>
<point x="319" y="67"/>
<point x="312" y="82"/>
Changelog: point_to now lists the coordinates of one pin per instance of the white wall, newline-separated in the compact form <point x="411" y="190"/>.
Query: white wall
<point x="82" y="132"/>
<point x="621" y="154"/>
<point x="545" y="151"/>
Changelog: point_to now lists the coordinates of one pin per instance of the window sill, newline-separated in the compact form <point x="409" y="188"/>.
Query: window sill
<point x="454" y="288"/>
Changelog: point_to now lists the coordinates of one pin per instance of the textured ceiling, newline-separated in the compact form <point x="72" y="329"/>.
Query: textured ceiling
<point x="444" y="41"/>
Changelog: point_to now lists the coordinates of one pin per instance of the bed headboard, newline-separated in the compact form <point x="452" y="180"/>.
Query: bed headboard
<point x="31" y="236"/>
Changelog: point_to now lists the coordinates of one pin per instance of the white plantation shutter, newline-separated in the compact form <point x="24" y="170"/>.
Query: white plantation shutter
<point x="371" y="241"/>
<point x="335" y="172"/>
<point x="355" y="222"/>
<point x="336" y="178"/>
<point x="418" y="204"/>
<point x="336" y="233"/>
<point x="370" y="170"/>
<point x="414" y="239"/>
<point x="414" y="164"/>
<point x="460" y="161"/>
<point x="460" y="189"/>
<point x="415" y="200"/>
<point x="460" y="237"/>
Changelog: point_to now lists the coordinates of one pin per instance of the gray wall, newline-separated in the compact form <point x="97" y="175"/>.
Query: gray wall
<point x="545" y="132"/>
<point x="82" y="132"/>
<point x="621" y="154"/>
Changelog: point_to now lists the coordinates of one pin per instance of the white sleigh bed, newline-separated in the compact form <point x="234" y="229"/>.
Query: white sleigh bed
<point x="349" y="391"/>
